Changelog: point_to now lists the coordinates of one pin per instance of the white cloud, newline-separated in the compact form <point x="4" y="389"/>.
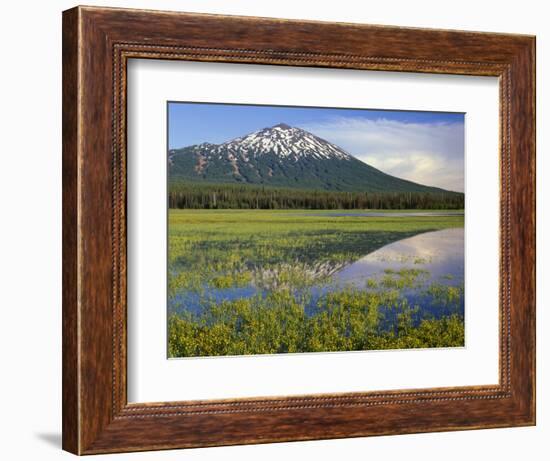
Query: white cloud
<point x="427" y="153"/>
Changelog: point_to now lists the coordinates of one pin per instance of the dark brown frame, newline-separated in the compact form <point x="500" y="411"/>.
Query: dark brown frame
<point x="97" y="43"/>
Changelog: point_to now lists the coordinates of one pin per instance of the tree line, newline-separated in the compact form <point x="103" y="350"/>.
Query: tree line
<point x="227" y="196"/>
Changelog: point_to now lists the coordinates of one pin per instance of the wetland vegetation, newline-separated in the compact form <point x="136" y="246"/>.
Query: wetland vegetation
<point x="285" y="281"/>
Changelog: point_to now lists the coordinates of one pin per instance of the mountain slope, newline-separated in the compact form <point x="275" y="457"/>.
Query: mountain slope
<point x="283" y="156"/>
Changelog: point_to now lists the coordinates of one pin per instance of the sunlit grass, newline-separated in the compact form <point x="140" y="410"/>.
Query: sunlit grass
<point x="349" y="320"/>
<point x="285" y="254"/>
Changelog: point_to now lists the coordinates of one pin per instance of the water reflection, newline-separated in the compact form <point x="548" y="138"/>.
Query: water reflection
<point x="427" y="260"/>
<point x="440" y="253"/>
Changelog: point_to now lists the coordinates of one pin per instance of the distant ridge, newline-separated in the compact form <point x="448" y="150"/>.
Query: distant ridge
<point x="283" y="156"/>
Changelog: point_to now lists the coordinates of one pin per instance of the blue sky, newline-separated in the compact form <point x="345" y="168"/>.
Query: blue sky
<point x="426" y="147"/>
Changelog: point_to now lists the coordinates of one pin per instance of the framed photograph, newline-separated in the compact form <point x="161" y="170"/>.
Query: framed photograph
<point x="282" y="230"/>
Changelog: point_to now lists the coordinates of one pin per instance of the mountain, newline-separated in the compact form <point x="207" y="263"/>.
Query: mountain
<point x="283" y="156"/>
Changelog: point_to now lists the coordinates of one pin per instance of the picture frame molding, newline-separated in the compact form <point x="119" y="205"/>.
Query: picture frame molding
<point x="97" y="44"/>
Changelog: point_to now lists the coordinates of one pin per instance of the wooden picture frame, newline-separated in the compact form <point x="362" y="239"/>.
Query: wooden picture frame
<point x="97" y="43"/>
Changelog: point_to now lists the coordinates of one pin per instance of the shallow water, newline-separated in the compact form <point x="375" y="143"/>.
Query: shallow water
<point x="382" y="214"/>
<point x="437" y="257"/>
<point x="441" y="253"/>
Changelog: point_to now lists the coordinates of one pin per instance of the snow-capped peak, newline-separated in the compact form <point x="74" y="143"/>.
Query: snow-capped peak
<point x="286" y="142"/>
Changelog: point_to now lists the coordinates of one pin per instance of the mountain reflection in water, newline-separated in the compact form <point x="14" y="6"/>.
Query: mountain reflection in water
<point x="434" y="258"/>
<point x="441" y="253"/>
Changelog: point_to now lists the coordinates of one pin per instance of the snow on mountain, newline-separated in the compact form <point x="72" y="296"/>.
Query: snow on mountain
<point x="282" y="156"/>
<point x="284" y="141"/>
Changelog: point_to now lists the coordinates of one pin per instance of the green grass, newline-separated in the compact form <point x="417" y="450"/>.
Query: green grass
<point x="285" y="253"/>
<point x="345" y="321"/>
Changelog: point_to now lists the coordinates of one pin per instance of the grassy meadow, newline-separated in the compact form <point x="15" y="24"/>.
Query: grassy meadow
<point x="262" y="282"/>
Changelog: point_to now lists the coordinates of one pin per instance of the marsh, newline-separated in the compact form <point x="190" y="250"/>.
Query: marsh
<point x="274" y="281"/>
